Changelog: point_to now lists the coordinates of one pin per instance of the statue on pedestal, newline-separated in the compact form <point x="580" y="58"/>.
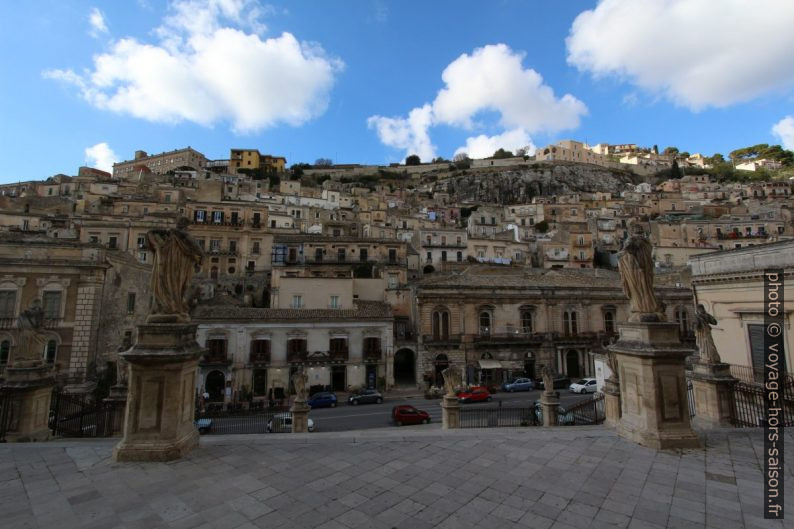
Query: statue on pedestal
<point x="175" y="258"/>
<point x="636" y="274"/>
<point x="299" y="382"/>
<point x="453" y="379"/>
<point x="548" y="379"/>
<point x="31" y="343"/>
<point x="703" y="338"/>
<point x="122" y="371"/>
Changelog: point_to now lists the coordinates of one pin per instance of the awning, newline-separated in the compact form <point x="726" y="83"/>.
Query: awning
<point x="490" y="364"/>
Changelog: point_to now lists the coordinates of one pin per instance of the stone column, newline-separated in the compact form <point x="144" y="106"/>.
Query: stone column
<point x="159" y="420"/>
<point x="612" y="401"/>
<point x="450" y="413"/>
<point x="29" y="386"/>
<point x="654" y="409"/>
<point x="712" y="388"/>
<point x="300" y="417"/>
<point x="550" y="402"/>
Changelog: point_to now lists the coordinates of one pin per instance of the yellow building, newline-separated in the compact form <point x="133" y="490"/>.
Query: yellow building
<point x="253" y="159"/>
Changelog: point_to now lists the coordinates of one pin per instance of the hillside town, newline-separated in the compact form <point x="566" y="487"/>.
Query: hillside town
<point x="376" y="276"/>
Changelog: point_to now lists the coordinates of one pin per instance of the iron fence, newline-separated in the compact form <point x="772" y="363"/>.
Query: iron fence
<point x="9" y="413"/>
<point x="74" y="415"/>
<point x="496" y="417"/>
<point x="243" y="421"/>
<point x="750" y="404"/>
<point x="586" y="412"/>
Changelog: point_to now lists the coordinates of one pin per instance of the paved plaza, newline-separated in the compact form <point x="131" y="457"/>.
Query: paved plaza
<point x="414" y="477"/>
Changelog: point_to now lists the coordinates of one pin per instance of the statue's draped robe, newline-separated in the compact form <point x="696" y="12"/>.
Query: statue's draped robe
<point x="175" y="256"/>
<point x="636" y="275"/>
<point x="703" y="339"/>
<point x="453" y="379"/>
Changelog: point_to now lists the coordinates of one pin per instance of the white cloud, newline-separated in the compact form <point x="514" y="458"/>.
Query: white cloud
<point x="206" y="69"/>
<point x="691" y="51"/>
<point x="784" y="129"/>
<point x="97" y="21"/>
<point x="483" y="146"/>
<point x="493" y="79"/>
<point x="410" y="134"/>
<point x="101" y="156"/>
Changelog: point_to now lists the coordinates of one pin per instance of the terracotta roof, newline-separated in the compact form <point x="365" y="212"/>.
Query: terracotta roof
<point x="362" y="310"/>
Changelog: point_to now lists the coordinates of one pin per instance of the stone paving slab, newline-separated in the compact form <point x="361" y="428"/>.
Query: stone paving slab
<point x="411" y="478"/>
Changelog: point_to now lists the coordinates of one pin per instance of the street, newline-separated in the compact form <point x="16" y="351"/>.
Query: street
<point x="365" y="416"/>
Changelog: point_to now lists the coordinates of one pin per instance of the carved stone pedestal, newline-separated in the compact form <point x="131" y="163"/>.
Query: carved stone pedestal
<point x="712" y="388"/>
<point x="450" y="413"/>
<point x="654" y="409"/>
<point x="159" y="420"/>
<point x="550" y="403"/>
<point x="612" y="402"/>
<point x="30" y="387"/>
<point x="300" y="417"/>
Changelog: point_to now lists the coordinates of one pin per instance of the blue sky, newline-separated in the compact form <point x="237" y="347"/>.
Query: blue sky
<point x="371" y="81"/>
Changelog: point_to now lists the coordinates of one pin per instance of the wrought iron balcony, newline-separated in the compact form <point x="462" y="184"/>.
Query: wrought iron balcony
<point x="215" y="359"/>
<point x="262" y="357"/>
<point x="297" y="356"/>
<point x="373" y="354"/>
<point x="432" y="339"/>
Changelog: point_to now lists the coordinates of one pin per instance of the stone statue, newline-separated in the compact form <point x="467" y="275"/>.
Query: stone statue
<point x="453" y="379"/>
<point x="612" y="362"/>
<point x="636" y="274"/>
<point x="175" y="257"/>
<point x="299" y="382"/>
<point x="703" y="339"/>
<point x="548" y="379"/>
<point x="31" y="342"/>
<point x="122" y="371"/>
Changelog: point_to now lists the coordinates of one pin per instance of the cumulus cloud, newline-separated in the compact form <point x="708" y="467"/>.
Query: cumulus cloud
<point x="211" y="64"/>
<point x="690" y="51"/>
<point x="96" y="20"/>
<point x="491" y="79"/>
<point x="483" y="146"/>
<point x="101" y="156"/>
<point x="784" y="129"/>
<point x="410" y="134"/>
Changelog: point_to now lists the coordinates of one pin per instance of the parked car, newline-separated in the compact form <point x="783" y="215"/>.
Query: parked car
<point x="519" y="384"/>
<point x="365" y="396"/>
<point x="282" y="423"/>
<point x="586" y="385"/>
<point x="322" y="399"/>
<point x="475" y="394"/>
<point x="204" y="425"/>
<point x="560" y="382"/>
<point x="407" y="414"/>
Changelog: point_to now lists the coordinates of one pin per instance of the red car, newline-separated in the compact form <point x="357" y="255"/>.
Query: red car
<point x="406" y="414"/>
<point x="475" y="394"/>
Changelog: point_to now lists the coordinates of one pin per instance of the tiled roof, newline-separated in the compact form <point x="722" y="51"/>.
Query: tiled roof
<point x="362" y="310"/>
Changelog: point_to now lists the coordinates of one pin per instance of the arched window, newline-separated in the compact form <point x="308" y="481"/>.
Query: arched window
<point x="609" y="319"/>
<point x="485" y="323"/>
<point x="526" y="314"/>
<point x="570" y="325"/>
<point x="50" y="351"/>
<point x="682" y="319"/>
<point x="5" y="351"/>
<point x="440" y="325"/>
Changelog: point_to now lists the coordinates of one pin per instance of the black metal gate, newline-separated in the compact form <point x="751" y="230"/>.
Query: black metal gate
<point x="750" y="404"/>
<point x="73" y="415"/>
<point x="9" y="413"/>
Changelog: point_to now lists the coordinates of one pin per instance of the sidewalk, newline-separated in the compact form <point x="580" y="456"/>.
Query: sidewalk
<point x="412" y="477"/>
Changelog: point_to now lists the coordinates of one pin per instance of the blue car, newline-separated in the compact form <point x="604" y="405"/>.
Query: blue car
<point x="322" y="399"/>
<point x="519" y="384"/>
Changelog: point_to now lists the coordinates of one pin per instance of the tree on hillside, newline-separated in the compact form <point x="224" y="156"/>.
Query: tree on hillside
<point x="440" y="159"/>
<point x="323" y="162"/>
<point x="716" y="159"/>
<point x="655" y="149"/>
<point x="501" y="153"/>
<point x="461" y="160"/>
<point x="542" y="226"/>
<point x="675" y="171"/>
<point x="413" y="160"/>
<point x="670" y="151"/>
<point x="763" y="150"/>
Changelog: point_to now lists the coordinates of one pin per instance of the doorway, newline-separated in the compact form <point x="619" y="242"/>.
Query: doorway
<point x="529" y="366"/>
<point x="215" y="385"/>
<point x="573" y="369"/>
<point x="404" y="367"/>
<point x="441" y="363"/>
<point x="338" y="378"/>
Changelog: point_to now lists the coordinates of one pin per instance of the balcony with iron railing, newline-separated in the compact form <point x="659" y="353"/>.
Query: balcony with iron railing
<point x="739" y="235"/>
<point x="223" y="252"/>
<point x="225" y="223"/>
<point x="441" y="339"/>
<point x="373" y="354"/>
<point x="259" y="357"/>
<point x="506" y="334"/>
<point x="335" y="260"/>
<point x="297" y="356"/>
<point x="215" y="358"/>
